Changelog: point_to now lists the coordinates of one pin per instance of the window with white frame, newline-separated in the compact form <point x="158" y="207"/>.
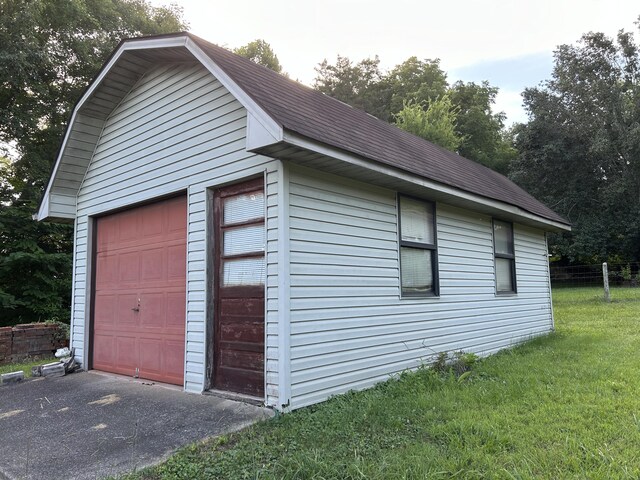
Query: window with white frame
<point x="505" y="259"/>
<point x="418" y="251"/>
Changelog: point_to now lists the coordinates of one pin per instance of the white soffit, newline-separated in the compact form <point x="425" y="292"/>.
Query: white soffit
<point x="262" y="129"/>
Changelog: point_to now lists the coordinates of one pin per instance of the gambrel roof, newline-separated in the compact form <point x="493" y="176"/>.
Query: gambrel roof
<point x="283" y="114"/>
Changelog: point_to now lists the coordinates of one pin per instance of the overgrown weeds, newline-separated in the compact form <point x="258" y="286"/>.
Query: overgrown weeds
<point x="457" y="363"/>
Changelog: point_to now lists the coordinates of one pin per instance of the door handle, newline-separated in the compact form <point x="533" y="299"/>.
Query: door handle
<point x="137" y="307"/>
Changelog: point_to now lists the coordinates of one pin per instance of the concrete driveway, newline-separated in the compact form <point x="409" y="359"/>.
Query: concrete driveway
<point x="88" y="425"/>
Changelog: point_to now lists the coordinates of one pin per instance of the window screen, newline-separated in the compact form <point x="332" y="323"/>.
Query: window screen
<point x="505" y="260"/>
<point x="243" y="240"/>
<point x="418" y="260"/>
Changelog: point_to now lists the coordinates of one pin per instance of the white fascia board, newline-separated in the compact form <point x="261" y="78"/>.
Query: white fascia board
<point x="265" y="128"/>
<point x="297" y="140"/>
<point x="134" y="45"/>
<point x="43" y="211"/>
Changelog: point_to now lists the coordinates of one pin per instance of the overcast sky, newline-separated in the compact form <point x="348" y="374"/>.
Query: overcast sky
<point x="507" y="42"/>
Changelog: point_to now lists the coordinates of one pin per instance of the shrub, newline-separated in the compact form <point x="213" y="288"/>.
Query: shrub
<point x="458" y="362"/>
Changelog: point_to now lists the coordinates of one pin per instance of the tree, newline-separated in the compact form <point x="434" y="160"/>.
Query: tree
<point x="261" y="53"/>
<point x="49" y="52"/>
<point x="485" y="138"/>
<point x="414" y="83"/>
<point x="363" y="85"/>
<point x="435" y="121"/>
<point x="35" y="260"/>
<point x="415" y="80"/>
<point x="580" y="150"/>
<point x="357" y="84"/>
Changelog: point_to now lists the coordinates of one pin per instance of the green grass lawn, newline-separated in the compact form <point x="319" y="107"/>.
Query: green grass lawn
<point x="25" y="366"/>
<point x="563" y="406"/>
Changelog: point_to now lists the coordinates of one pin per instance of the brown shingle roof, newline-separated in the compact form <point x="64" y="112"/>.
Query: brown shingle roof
<point x="309" y="113"/>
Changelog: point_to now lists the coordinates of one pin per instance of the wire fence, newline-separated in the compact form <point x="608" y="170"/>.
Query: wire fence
<point x="619" y="275"/>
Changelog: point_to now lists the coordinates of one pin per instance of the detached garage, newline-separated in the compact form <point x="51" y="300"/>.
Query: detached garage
<point x="236" y="231"/>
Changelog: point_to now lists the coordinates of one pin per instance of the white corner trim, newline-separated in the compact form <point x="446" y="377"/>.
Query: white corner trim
<point x="303" y="142"/>
<point x="546" y="252"/>
<point x="253" y="109"/>
<point x="284" y="290"/>
<point x="88" y="285"/>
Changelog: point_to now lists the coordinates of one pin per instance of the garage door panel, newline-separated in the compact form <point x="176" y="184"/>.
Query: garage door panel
<point x="125" y="316"/>
<point x="108" y="234"/>
<point x="176" y="220"/>
<point x="104" y="350"/>
<point x="126" y="353"/>
<point x="105" y="306"/>
<point x="129" y="267"/>
<point x="161" y="359"/>
<point x="107" y="271"/>
<point x="151" y="355"/>
<point x="176" y="261"/>
<point x="140" y="297"/>
<point x="174" y="356"/>
<point x="152" y="221"/>
<point x="175" y="310"/>
<point x="153" y="264"/>
<point x="128" y="226"/>
<point x="153" y="311"/>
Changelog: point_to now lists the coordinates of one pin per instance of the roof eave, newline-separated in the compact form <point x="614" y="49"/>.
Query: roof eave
<point x="549" y="225"/>
<point x="264" y="129"/>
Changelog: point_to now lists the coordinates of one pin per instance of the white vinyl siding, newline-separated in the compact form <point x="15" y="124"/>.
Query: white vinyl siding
<point x="178" y="129"/>
<point x="350" y="328"/>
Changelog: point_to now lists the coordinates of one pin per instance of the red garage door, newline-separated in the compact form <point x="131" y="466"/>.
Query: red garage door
<point x="139" y="303"/>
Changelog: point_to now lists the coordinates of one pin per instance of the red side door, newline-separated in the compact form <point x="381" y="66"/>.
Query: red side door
<point x="239" y="288"/>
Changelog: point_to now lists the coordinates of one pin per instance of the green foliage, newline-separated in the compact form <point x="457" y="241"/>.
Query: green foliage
<point x="261" y="53"/>
<point x="580" y="150"/>
<point x="49" y="52"/>
<point x="626" y="272"/>
<point x="485" y="138"/>
<point x="64" y="330"/>
<point x="411" y="86"/>
<point x="415" y="80"/>
<point x="458" y="363"/>
<point x="359" y="85"/>
<point x="560" y="406"/>
<point x="26" y="365"/>
<point x="435" y="121"/>
<point x="35" y="260"/>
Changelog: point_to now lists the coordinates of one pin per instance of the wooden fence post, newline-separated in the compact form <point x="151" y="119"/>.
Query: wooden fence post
<point x="605" y="277"/>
